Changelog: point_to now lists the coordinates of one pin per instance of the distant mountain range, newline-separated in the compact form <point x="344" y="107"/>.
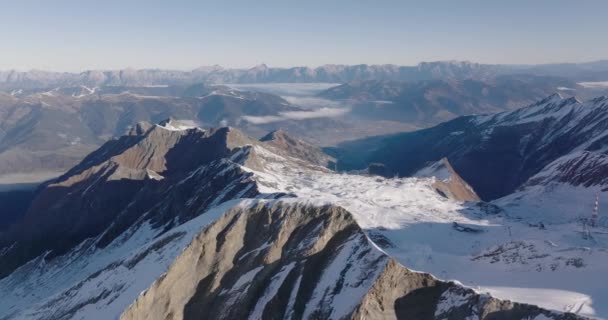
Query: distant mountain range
<point x="430" y="102"/>
<point x="53" y="130"/>
<point x="592" y="71"/>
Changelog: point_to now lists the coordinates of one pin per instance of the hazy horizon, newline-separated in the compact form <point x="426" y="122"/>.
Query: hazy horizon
<point x="70" y="36"/>
<point x="297" y="66"/>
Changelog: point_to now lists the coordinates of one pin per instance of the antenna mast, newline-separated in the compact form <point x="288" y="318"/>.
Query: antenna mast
<point x="594" y="214"/>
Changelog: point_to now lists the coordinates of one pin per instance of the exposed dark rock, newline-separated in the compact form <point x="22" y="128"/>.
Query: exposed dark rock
<point x="298" y="148"/>
<point x="447" y="181"/>
<point x="378" y="169"/>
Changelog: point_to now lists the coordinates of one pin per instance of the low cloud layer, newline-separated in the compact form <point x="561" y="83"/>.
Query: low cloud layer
<point x="297" y="115"/>
<point x="594" y="84"/>
<point x="286" y="89"/>
<point x="301" y="95"/>
<point x="314" y="102"/>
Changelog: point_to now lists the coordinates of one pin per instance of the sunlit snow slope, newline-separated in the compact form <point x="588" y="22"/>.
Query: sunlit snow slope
<point x="478" y="244"/>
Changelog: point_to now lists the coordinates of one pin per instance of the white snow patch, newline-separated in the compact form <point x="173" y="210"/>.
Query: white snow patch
<point x="437" y="170"/>
<point x="449" y="300"/>
<point x="271" y="291"/>
<point x="297" y="115"/>
<point x="594" y="84"/>
<point x="154" y="175"/>
<point x="560" y="300"/>
<point x="247" y="278"/>
<point x="179" y="125"/>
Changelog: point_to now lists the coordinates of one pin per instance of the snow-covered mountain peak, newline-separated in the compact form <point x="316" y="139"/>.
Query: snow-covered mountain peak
<point x="561" y="113"/>
<point x="208" y="69"/>
<point x="259" y="67"/>
<point x="554" y="98"/>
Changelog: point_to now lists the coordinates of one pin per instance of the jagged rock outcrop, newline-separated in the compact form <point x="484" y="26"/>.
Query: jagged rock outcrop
<point x="266" y="260"/>
<point x="448" y="182"/>
<point x="296" y="261"/>
<point x="399" y="293"/>
<point x="301" y="149"/>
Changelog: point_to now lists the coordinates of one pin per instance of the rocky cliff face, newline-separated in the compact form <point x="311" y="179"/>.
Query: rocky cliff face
<point x="270" y="260"/>
<point x="292" y="261"/>
<point x="303" y="150"/>
<point x="295" y="261"/>
<point x="448" y="182"/>
<point x="399" y="293"/>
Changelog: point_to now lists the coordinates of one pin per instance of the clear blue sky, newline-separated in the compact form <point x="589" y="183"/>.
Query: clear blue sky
<point x="67" y="35"/>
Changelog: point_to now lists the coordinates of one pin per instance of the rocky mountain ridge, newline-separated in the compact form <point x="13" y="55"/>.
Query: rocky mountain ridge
<point x="267" y="264"/>
<point x="124" y="179"/>
<point x="200" y="225"/>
